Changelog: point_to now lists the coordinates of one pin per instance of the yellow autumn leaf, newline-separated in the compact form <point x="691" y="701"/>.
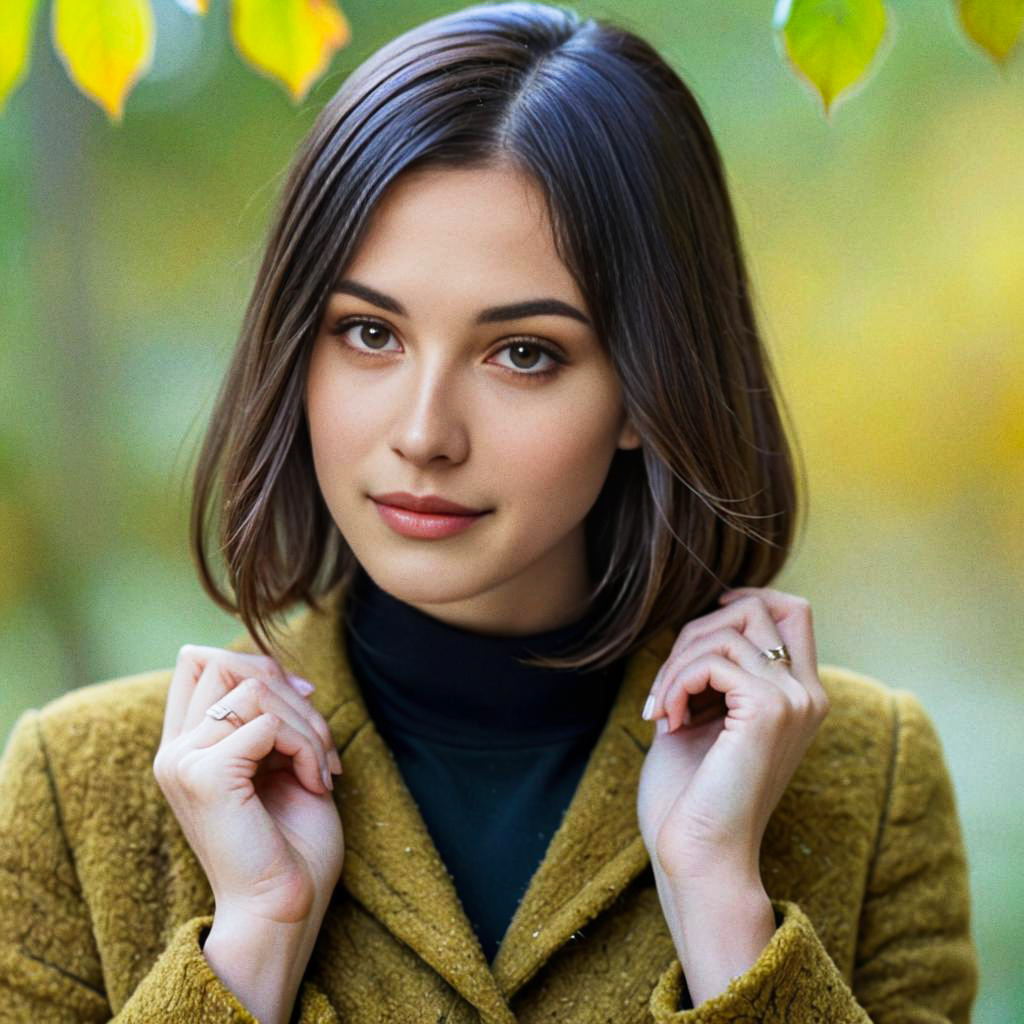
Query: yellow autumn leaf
<point x="291" y="40"/>
<point x="106" y="47"/>
<point x="993" y="24"/>
<point x="17" y="19"/>
<point x="830" y="42"/>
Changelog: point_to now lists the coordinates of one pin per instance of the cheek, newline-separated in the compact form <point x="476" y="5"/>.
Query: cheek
<point x="339" y="417"/>
<point x="561" y="462"/>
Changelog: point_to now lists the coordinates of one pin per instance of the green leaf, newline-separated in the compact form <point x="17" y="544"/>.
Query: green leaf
<point x="291" y="40"/>
<point x="106" y="47"/>
<point x="830" y="42"/>
<point x="17" y="20"/>
<point x="993" y="24"/>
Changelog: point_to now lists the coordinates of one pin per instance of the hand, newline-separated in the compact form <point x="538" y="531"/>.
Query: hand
<point x="708" y="788"/>
<point x="251" y="797"/>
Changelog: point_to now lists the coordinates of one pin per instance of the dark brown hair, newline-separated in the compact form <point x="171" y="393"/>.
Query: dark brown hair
<point x="642" y="219"/>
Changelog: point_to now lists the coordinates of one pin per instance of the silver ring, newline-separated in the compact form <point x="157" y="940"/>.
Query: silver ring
<point x="777" y="654"/>
<point x="221" y="711"/>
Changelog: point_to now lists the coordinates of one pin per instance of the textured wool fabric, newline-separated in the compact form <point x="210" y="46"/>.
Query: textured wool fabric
<point x="103" y="905"/>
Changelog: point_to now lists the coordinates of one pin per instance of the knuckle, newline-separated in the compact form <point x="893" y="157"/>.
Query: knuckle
<point x="683" y="639"/>
<point x="251" y="686"/>
<point x="186" y="778"/>
<point x="803" y="705"/>
<point x="187" y="652"/>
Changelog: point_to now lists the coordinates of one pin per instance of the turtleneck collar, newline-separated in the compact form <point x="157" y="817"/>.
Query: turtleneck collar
<point x="422" y="676"/>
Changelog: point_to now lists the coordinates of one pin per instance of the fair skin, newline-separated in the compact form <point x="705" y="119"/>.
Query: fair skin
<point x="440" y="403"/>
<point x="433" y="402"/>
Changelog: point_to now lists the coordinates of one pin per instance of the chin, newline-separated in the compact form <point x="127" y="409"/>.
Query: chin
<point x="433" y="584"/>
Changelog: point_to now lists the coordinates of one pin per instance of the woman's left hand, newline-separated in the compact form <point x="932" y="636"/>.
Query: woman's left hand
<point x="711" y="782"/>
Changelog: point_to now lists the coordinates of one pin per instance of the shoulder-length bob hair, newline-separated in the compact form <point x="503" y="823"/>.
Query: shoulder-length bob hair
<point x="637" y="199"/>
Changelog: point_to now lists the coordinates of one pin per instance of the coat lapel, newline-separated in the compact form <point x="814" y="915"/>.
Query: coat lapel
<point x="597" y="850"/>
<point x="392" y="867"/>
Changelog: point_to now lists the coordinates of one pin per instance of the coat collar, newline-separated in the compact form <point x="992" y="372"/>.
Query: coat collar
<point x="392" y="867"/>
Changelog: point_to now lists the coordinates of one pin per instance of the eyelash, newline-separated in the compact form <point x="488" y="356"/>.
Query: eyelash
<point x="343" y="325"/>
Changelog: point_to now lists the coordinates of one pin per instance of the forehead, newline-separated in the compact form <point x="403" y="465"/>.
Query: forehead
<point x="481" y="231"/>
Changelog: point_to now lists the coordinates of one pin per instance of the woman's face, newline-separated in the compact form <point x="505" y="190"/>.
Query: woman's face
<point x="413" y="386"/>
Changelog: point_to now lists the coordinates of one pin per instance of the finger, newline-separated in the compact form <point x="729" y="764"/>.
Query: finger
<point x="727" y="641"/>
<point x="749" y="617"/>
<point x="286" y="687"/>
<point x="719" y="673"/>
<point x="250" y="744"/>
<point x="193" y="660"/>
<point x="212" y="688"/>
<point x="794" y="621"/>
<point x="731" y="644"/>
<point x="252" y="698"/>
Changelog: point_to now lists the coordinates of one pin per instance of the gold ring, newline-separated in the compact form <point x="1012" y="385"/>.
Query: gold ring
<point x="777" y="654"/>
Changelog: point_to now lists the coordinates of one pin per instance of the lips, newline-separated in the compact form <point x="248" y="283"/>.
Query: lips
<point x="428" y="503"/>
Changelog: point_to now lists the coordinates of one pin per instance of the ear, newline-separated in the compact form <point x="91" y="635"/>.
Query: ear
<point x="628" y="437"/>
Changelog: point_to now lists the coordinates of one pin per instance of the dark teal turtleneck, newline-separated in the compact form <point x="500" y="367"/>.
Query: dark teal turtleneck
<point x="491" y="750"/>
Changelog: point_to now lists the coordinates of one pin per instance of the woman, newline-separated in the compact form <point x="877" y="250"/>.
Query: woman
<point x="500" y="416"/>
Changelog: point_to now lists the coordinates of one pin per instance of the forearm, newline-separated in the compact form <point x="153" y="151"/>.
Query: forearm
<point x="261" y="962"/>
<point x="719" y="928"/>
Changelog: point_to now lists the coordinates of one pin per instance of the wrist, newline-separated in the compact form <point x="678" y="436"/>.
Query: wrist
<point x="719" y="928"/>
<point x="262" y="962"/>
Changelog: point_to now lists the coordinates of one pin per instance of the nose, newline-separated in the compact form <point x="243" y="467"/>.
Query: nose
<point x="428" y="423"/>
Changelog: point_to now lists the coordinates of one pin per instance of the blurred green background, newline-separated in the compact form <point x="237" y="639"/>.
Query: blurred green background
<point x="886" y="248"/>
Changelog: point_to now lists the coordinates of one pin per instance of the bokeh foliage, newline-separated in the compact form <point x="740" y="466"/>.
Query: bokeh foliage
<point x="107" y="45"/>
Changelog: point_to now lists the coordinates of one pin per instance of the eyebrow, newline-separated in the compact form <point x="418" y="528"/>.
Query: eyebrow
<point x="493" y="314"/>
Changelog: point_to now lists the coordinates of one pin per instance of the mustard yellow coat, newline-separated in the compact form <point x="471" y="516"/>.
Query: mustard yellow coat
<point x="103" y="904"/>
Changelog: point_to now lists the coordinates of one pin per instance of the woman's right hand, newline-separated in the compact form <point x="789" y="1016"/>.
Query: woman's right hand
<point x="249" y="795"/>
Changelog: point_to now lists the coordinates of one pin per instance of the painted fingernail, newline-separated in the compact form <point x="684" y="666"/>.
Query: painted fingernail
<point x="304" y="686"/>
<point x="648" y="708"/>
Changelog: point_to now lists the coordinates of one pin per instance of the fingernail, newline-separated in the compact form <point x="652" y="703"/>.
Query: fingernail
<point x="648" y="707"/>
<point x="335" y="761"/>
<point x="304" y="686"/>
<point x="686" y="715"/>
<point x="328" y="781"/>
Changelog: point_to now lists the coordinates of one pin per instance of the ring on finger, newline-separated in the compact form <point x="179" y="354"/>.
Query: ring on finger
<point x="220" y="711"/>
<point x="780" y="653"/>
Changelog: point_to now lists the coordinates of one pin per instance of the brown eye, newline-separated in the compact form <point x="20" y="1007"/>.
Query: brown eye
<point x="363" y="335"/>
<point x="372" y="335"/>
<point x="527" y="361"/>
